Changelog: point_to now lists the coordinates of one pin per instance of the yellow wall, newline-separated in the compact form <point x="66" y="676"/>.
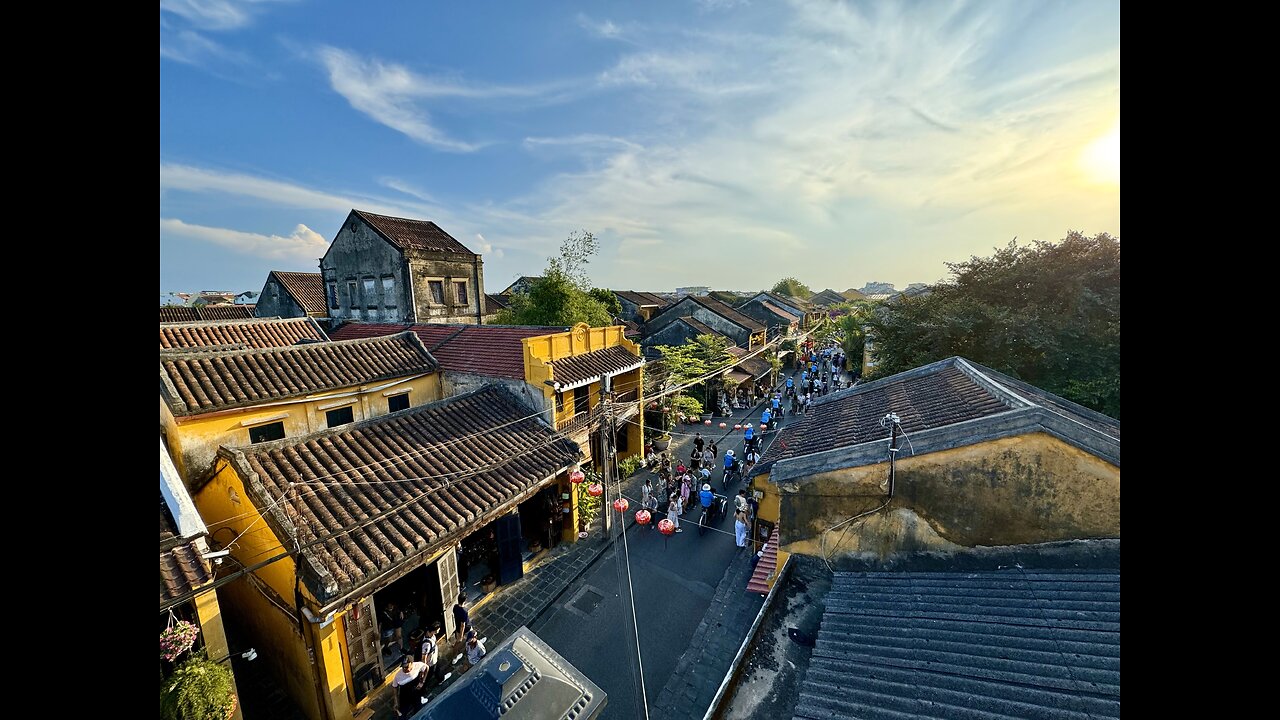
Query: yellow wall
<point x="215" y="635"/>
<point x="1027" y="489"/>
<point x="194" y="440"/>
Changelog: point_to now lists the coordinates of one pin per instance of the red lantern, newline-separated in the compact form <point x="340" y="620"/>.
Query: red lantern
<point x="706" y="422"/>
<point x="577" y="476"/>
<point x="595" y="489"/>
<point x="620" y="505"/>
<point x="666" y="527"/>
<point x="724" y="425"/>
<point x="643" y="517"/>
<point x="737" y="427"/>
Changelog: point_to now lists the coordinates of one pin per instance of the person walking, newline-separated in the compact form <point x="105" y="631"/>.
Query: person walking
<point x="475" y="650"/>
<point x="698" y="442"/>
<point x="673" y="511"/>
<point x="715" y="451"/>
<point x="685" y="489"/>
<point x="461" y="618"/>
<point x="409" y="681"/>
<point x="646" y="491"/>
<point x="740" y="528"/>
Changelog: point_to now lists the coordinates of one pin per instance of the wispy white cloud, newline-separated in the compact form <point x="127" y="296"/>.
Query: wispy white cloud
<point x="188" y="46"/>
<point x="393" y="95"/>
<point x="303" y="244"/>
<point x="215" y="14"/>
<point x="600" y="28"/>
<point x="585" y="139"/>
<point x="486" y="248"/>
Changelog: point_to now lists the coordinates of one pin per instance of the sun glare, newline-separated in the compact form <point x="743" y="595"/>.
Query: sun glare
<point x="1100" y="159"/>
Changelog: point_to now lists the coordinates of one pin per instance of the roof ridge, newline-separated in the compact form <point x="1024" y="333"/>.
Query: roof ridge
<point x="288" y="348"/>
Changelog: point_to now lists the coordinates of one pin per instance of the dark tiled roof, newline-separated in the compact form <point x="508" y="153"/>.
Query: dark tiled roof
<point x="784" y="314"/>
<point x="408" y="234"/>
<point x="590" y="366"/>
<point x="827" y="297"/>
<point x="399" y="485"/>
<point x="639" y="298"/>
<point x="788" y="301"/>
<point x="306" y="289"/>
<point x="491" y="350"/>
<point x="1006" y="644"/>
<point x="727" y="313"/>
<point x="178" y="313"/>
<point x="205" y="382"/>
<point x="494" y="303"/>
<point x="933" y="396"/>
<point x="700" y="327"/>
<point x="182" y="570"/>
<point x="244" y="333"/>
<point x="521" y="283"/>
<point x="850" y="417"/>
<point x="756" y="367"/>
<point x="852" y="294"/>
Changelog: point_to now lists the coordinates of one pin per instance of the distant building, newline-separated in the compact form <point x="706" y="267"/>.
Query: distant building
<point x="828" y="297"/>
<point x="178" y="313"/>
<point x="292" y="295"/>
<point x="638" y="307"/>
<point x="780" y="321"/>
<point x="390" y="269"/>
<point x="852" y="295"/>
<point x="795" y="306"/>
<point x="746" y="332"/>
<point x="174" y="299"/>
<point x="878" y="288"/>
<point x="521" y="285"/>
<point x="248" y="297"/>
<point x="698" y="290"/>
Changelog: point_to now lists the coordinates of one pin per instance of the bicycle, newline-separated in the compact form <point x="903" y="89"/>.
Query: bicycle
<point x="711" y="515"/>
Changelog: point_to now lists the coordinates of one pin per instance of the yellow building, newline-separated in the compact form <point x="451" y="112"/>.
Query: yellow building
<point x="185" y="569"/>
<point x="980" y="459"/>
<point x="346" y="528"/>
<point x="558" y="371"/>
<point x="214" y="397"/>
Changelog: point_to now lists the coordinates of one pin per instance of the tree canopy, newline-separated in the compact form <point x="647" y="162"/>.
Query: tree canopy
<point x="563" y="295"/>
<point x="792" y="287"/>
<point x="1047" y="313"/>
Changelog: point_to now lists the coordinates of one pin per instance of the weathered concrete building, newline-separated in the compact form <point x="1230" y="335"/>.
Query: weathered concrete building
<point x="982" y="460"/>
<point x="389" y="269"/>
<point x="639" y="307"/>
<point x="292" y="295"/>
<point x="780" y="321"/>
<point x="808" y="315"/>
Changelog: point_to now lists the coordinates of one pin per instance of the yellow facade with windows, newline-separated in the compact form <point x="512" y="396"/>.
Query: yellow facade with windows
<point x="194" y="439"/>
<point x="568" y="406"/>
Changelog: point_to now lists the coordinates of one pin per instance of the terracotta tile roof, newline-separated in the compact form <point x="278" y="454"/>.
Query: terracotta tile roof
<point x="182" y="570"/>
<point x="240" y="333"/>
<point x="196" y="383"/>
<point x="408" y="234"/>
<point x="400" y="485"/>
<point x="784" y="314"/>
<point x="307" y="289"/>
<point x="226" y="312"/>
<point x="579" y="369"/>
<point x="937" y="395"/>
<point x="766" y="566"/>
<point x="180" y="313"/>
<point x="727" y="313"/>
<point x="490" y="350"/>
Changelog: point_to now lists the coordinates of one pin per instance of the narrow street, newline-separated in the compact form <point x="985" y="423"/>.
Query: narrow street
<point x="674" y="580"/>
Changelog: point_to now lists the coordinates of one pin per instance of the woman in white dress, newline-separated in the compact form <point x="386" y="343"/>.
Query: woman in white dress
<point x="673" y="511"/>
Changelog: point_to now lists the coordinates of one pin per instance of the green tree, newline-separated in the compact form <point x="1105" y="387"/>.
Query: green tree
<point x="608" y="299"/>
<point x="1045" y="313"/>
<point x="563" y="295"/>
<point x="792" y="287"/>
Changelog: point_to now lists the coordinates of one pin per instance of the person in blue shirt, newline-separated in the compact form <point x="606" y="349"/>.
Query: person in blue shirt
<point x="776" y="402"/>
<point x="790" y="387"/>
<point x="706" y="497"/>
<point x="764" y="418"/>
<point x="729" y="460"/>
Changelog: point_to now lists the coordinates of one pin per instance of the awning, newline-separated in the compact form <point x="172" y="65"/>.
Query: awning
<point x="738" y="376"/>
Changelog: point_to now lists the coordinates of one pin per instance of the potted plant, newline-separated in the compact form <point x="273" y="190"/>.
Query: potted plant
<point x="198" y="690"/>
<point x="588" y="505"/>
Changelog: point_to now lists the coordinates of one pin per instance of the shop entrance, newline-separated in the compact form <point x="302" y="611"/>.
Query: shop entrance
<point x="403" y="609"/>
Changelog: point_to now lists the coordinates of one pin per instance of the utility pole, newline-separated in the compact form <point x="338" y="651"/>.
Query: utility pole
<point x="606" y="449"/>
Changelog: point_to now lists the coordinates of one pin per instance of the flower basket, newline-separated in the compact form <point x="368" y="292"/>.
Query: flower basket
<point x="177" y="639"/>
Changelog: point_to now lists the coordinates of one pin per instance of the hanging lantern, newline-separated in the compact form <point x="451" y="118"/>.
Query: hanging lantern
<point x="737" y="427"/>
<point x="724" y="425"/>
<point x="666" y="527"/>
<point x="620" y="505"/>
<point x="643" y="517"/>
<point x="595" y="489"/>
<point x="577" y="476"/>
<point x="706" y="422"/>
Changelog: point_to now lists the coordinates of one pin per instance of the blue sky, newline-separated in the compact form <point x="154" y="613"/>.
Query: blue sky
<point x="708" y="142"/>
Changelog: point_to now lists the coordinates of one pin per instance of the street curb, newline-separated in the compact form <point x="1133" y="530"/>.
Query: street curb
<point x="746" y="643"/>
